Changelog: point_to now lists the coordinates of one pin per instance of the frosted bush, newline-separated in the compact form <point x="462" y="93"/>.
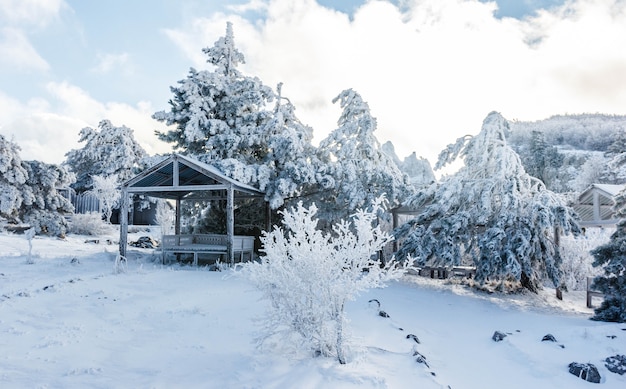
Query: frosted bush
<point x="309" y="275"/>
<point x="577" y="259"/>
<point x="88" y="224"/>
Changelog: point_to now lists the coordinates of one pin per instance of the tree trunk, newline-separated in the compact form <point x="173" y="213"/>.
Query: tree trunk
<point x="340" y="355"/>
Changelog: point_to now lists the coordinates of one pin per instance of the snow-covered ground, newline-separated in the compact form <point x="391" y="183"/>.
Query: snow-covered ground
<point x="76" y="324"/>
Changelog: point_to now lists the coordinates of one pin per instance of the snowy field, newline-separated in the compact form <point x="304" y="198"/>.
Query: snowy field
<point x="76" y="324"/>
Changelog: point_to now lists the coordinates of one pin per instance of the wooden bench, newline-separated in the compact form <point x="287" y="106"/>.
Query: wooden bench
<point x="592" y="293"/>
<point x="442" y="272"/>
<point x="243" y="246"/>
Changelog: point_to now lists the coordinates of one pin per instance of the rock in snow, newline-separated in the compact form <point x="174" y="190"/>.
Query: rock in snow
<point x="498" y="336"/>
<point x="586" y="371"/>
<point x="616" y="364"/>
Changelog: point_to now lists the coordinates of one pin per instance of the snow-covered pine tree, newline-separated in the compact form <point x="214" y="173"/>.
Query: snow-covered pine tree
<point x="28" y="191"/>
<point x="361" y="171"/>
<point x="12" y="178"/>
<point x="611" y="257"/>
<point x="616" y="168"/>
<point x="108" y="150"/>
<point x="490" y="213"/>
<point x="218" y="113"/>
<point x="43" y="206"/>
<point x="222" y="117"/>
<point x="290" y="166"/>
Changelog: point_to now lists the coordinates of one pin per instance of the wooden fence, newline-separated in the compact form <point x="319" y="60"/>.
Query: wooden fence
<point x="84" y="202"/>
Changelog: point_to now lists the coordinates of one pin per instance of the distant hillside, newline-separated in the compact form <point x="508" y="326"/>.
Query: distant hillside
<point x="569" y="152"/>
<point x="593" y="132"/>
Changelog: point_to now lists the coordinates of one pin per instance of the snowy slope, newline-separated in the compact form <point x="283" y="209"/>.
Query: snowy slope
<point x="78" y="325"/>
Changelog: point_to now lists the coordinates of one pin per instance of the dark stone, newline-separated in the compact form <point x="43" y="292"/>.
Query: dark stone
<point x="548" y="338"/>
<point x="411" y="336"/>
<point x="586" y="371"/>
<point x="383" y="314"/>
<point x="420" y="358"/>
<point x="145" y="242"/>
<point x="498" y="336"/>
<point x="616" y="364"/>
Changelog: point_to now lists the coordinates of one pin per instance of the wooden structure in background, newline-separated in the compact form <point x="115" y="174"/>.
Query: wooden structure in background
<point x="595" y="205"/>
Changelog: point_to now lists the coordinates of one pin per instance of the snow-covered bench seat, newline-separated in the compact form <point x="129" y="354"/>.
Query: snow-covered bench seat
<point x="207" y="244"/>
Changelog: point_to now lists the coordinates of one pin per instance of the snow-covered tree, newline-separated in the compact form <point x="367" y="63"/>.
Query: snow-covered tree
<point x="223" y="118"/>
<point x="108" y="150"/>
<point x="309" y="275"/>
<point x="43" y="207"/>
<point x="12" y="178"/>
<point x="591" y="172"/>
<point x="360" y="169"/>
<point x="616" y="168"/>
<point x="217" y="113"/>
<point x="290" y="166"/>
<point x="28" y="191"/>
<point x="611" y="258"/>
<point x="107" y="192"/>
<point x="490" y="213"/>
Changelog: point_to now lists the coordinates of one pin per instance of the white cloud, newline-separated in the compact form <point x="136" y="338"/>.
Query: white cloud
<point x="109" y="62"/>
<point x="47" y="129"/>
<point x="37" y="13"/>
<point x="433" y="69"/>
<point x="17" y="52"/>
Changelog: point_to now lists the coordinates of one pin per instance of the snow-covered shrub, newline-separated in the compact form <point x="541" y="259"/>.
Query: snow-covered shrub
<point x="309" y="275"/>
<point x="46" y="222"/>
<point x="88" y="224"/>
<point x="164" y="216"/>
<point x="577" y="258"/>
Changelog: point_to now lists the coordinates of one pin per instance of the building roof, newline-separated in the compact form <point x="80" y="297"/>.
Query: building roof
<point x="179" y="176"/>
<point x="595" y="204"/>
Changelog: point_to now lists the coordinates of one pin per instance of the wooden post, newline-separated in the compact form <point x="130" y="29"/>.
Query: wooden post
<point x="123" y="222"/>
<point x="177" y="221"/>
<point x="268" y="217"/>
<point x="230" y="223"/>
<point x="394" y="213"/>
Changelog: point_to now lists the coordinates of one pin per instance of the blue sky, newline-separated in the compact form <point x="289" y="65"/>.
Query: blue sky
<point x="431" y="70"/>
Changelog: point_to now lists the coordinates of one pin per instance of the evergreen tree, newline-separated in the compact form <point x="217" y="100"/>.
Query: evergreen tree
<point x="616" y="168"/>
<point x="217" y="113"/>
<point x="221" y="117"/>
<point x="543" y="160"/>
<point x="612" y="258"/>
<point x="13" y="176"/>
<point x="43" y="206"/>
<point x="28" y="191"/>
<point x="108" y="150"/>
<point x="490" y="213"/>
<point x="361" y="171"/>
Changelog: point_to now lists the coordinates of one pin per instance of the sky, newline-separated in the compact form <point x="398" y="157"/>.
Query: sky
<point x="430" y="70"/>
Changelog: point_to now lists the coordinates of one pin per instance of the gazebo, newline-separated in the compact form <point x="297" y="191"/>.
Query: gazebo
<point x="180" y="178"/>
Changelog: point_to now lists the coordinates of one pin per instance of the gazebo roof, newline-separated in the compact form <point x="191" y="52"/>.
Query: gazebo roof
<point x="180" y="177"/>
<point x="595" y="204"/>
